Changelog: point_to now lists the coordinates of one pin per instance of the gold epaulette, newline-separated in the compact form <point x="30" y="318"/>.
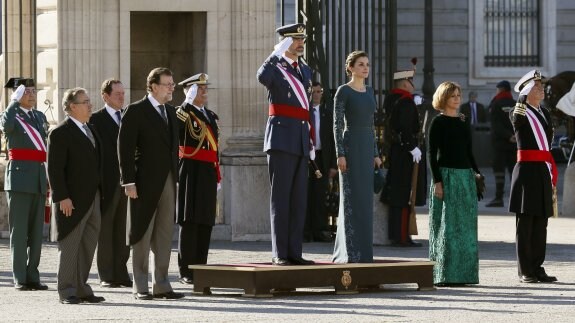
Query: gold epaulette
<point x="520" y="109"/>
<point x="182" y="115"/>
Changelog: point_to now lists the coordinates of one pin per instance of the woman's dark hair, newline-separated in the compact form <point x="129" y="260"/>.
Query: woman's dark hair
<point x="352" y="58"/>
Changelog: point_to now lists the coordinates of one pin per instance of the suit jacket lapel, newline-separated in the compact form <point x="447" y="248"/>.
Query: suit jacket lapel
<point x="110" y="120"/>
<point x="79" y="133"/>
<point x="155" y="117"/>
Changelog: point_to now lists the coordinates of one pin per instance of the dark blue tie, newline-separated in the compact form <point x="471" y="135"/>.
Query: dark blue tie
<point x="163" y="113"/>
<point x="119" y="116"/>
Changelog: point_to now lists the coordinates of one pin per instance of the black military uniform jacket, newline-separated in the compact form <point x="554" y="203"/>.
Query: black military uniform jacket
<point x="501" y="127"/>
<point x="405" y="129"/>
<point x="198" y="179"/>
<point x="531" y="188"/>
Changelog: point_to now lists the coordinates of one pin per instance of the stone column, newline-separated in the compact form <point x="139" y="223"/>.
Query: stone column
<point x="246" y="182"/>
<point x="18" y="43"/>
<point x="88" y="45"/>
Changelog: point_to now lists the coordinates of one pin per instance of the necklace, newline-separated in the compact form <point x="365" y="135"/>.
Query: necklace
<point x="362" y="89"/>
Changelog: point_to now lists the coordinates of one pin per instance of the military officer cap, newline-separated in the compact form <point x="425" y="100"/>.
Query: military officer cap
<point x="17" y="81"/>
<point x="294" y="31"/>
<point x="525" y="81"/>
<point x="200" y="79"/>
<point x="504" y="85"/>
<point x="403" y="75"/>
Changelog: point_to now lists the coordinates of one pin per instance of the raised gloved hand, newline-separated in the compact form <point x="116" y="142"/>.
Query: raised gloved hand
<point x="18" y="93"/>
<point x="282" y="46"/>
<point x="191" y="95"/>
<point x="416" y="153"/>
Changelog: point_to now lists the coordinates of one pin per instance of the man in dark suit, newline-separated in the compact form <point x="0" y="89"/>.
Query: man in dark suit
<point x="199" y="175"/>
<point x="148" y="154"/>
<point x="25" y="182"/>
<point x="287" y="142"/>
<point x="74" y="170"/>
<point x="534" y="179"/>
<point x="113" y="252"/>
<point x="474" y="111"/>
<point x="321" y="115"/>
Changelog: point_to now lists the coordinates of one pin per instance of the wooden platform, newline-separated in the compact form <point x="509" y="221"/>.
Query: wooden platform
<point x="264" y="279"/>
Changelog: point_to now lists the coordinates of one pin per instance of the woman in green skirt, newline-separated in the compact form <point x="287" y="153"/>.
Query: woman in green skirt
<point x="453" y="194"/>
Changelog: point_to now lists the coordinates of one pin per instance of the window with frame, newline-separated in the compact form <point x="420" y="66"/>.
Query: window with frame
<point x="508" y="37"/>
<point x="512" y="33"/>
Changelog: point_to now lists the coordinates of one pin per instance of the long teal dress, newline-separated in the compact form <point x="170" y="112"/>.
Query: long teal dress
<point x="453" y="219"/>
<point x="354" y="140"/>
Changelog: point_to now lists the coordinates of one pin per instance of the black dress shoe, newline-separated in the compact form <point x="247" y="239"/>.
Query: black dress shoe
<point x="495" y="203"/>
<point x="36" y="286"/>
<point x="107" y="284"/>
<point x="127" y="283"/>
<point x="143" y="296"/>
<point x="322" y="236"/>
<point x="528" y="279"/>
<point x="280" y="261"/>
<point x="412" y="243"/>
<point x="169" y="295"/>
<point x="543" y="277"/>
<point x="187" y="281"/>
<point x="21" y="287"/>
<point x="300" y="261"/>
<point x="92" y="299"/>
<point x="70" y="300"/>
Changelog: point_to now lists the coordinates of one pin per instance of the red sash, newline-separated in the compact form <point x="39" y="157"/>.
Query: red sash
<point x="289" y="111"/>
<point x="201" y="154"/>
<point x="539" y="156"/>
<point x="27" y="154"/>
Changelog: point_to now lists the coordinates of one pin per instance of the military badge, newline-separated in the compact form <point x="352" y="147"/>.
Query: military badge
<point x="284" y="64"/>
<point x="346" y="279"/>
<point x="300" y="29"/>
<point x="195" y="124"/>
<point x="289" y="95"/>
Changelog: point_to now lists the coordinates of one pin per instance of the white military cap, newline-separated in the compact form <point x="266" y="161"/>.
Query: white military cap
<point x="524" y="85"/>
<point x="403" y="75"/>
<point x="200" y="79"/>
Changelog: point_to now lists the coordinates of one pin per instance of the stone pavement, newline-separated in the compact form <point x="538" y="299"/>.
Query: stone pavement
<point x="498" y="298"/>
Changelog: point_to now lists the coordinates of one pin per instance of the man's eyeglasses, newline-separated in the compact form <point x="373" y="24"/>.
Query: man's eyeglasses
<point x="170" y="85"/>
<point x="30" y="91"/>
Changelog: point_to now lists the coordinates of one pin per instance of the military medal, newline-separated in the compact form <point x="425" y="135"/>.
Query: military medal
<point x="289" y="95"/>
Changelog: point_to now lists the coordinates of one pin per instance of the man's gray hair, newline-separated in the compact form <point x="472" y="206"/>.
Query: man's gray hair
<point x="70" y="96"/>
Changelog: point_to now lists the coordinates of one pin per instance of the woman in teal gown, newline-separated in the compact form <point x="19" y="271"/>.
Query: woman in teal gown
<point x="357" y="156"/>
<point x="453" y="194"/>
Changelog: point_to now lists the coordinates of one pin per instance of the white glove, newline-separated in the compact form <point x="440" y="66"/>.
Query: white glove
<point x="191" y="95"/>
<point x="282" y="46"/>
<point x="18" y="93"/>
<point x="416" y="153"/>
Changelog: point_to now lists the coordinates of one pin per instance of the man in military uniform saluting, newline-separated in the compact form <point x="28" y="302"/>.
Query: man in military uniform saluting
<point x="199" y="175"/>
<point x="25" y="181"/>
<point x="287" y="142"/>
<point x="534" y="178"/>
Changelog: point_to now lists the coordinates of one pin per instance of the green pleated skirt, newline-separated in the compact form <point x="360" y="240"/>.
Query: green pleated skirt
<point x="453" y="229"/>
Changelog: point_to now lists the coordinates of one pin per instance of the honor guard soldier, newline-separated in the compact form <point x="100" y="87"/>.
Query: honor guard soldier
<point x="502" y="139"/>
<point x="199" y="175"/>
<point x="287" y="142"/>
<point x="534" y="178"/>
<point x="25" y="181"/>
<point x="402" y="136"/>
